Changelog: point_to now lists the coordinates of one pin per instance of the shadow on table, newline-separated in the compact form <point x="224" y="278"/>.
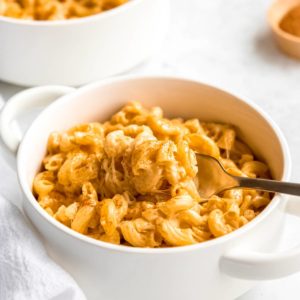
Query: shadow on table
<point x="7" y="90"/>
<point x="266" y="47"/>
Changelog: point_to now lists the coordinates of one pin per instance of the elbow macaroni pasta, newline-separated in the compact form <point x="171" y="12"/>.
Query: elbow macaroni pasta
<point x="55" y="9"/>
<point x="131" y="180"/>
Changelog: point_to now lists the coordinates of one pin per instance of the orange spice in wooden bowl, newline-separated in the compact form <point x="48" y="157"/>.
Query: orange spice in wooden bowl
<point x="284" y="18"/>
<point x="291" y="22"/>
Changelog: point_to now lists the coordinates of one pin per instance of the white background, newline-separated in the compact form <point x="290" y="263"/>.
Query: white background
<point x="228" y="44"/>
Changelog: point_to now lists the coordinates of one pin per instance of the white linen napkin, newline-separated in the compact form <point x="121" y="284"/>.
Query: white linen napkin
<point x="26" y="271"/>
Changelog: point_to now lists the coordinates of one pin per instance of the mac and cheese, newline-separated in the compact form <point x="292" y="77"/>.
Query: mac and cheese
<point x="55" y="9"/>
<point x="132" y="180"/>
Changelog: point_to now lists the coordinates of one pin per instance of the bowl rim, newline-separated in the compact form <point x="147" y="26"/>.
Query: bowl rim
<point x="69" y="22"/>
<point x="27" y="190"/>
<point x="275" y="26"/>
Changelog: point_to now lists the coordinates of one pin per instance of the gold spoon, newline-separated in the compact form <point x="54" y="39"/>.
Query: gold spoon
<point x="213" y="179"/>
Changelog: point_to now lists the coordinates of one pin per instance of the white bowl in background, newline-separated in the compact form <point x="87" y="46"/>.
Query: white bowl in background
<point x="222" y="268"/>
<point x="77" y="51"/>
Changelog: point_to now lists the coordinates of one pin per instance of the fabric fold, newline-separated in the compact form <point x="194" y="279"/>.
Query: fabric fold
<point x="26" y="271"/>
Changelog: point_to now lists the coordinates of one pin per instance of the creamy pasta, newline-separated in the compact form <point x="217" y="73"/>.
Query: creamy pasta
<point x="55" y="9"/>
<point x="132" y="179"/>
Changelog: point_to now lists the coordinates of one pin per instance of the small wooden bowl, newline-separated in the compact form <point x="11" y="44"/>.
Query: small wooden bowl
<point x="287" y="42"/>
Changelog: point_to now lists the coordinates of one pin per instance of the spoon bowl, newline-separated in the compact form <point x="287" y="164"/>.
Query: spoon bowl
<point x="213" y="179"/>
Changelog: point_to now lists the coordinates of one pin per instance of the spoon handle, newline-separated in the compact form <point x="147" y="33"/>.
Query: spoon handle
<point x="270" y="185"/>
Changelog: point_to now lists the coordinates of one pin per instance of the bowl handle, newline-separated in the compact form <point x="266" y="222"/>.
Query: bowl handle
<point x="254" y="265"/>
<point x="20" y="104"/>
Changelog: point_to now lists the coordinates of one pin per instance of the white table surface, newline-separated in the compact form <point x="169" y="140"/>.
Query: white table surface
<point x="228" y="44"/>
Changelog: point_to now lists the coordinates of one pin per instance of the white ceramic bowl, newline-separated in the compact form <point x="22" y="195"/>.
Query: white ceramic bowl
<point x="78" y="51"/>
<point x="223" y="268"/>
